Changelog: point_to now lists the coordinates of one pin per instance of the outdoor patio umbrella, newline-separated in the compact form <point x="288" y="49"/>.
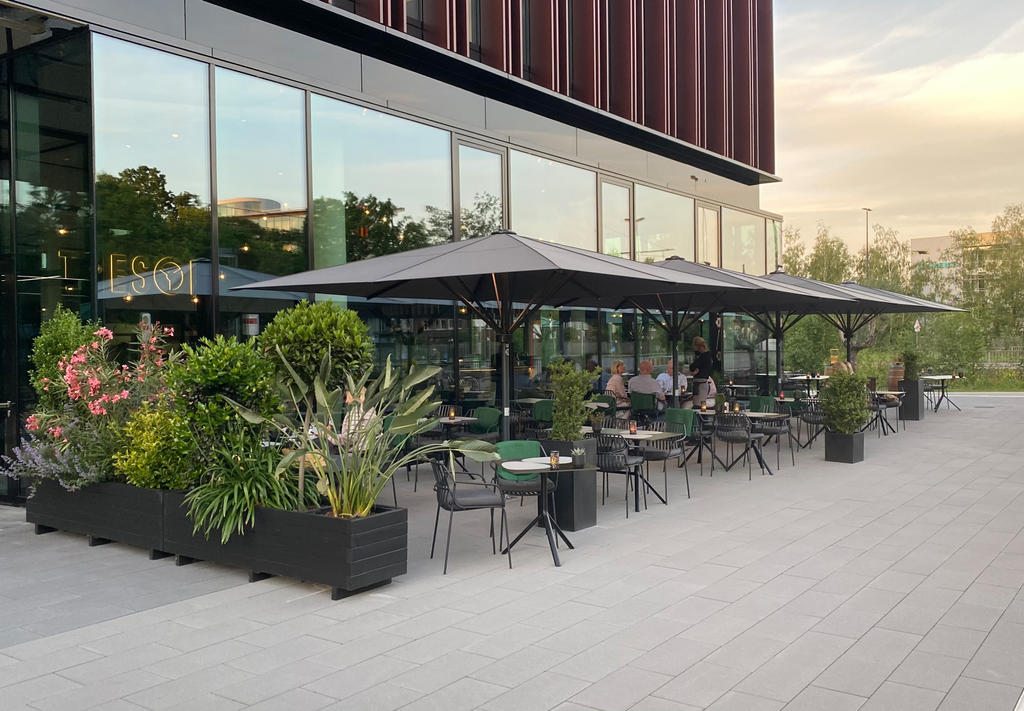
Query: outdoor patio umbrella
<point x="869" y="303"/>
<point x="770" y="304"/>
<point x="517" y="274"/>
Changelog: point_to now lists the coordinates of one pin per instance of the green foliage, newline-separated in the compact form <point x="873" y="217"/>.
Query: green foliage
<point x="307" y="332"/>
<point x="571" y="387"/>
<point x="383" y="417"/>
<point x="990" y="380"/>
<point x="911" y="364"/>
<point x="161" y="451"/>
<point x="58" y="338"/>
<point x="844" y="402"/>
<point x="875" y="363"/>
<point x="241" y="475"/>
<point x="214" y="370"/>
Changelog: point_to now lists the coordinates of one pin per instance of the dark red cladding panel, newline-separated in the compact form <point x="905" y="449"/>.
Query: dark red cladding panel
<point x="764" y="92"/>
<point x="742" y="122"/>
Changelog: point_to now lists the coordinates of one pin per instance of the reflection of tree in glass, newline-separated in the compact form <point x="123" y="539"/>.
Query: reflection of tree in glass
<point x="480" y="220"/>
<point x="368" y="227"/>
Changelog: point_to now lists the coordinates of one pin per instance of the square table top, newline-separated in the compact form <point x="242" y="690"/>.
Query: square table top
<point x="937" y="377"/>
<point x="529" y="400"/>
<point x="640" y="436"/>
<point x="808" y="377"/>
<point x="459" y="420"/>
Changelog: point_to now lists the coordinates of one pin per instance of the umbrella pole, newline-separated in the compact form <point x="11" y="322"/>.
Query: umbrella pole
<point x="778" y="359"/>
<point x="674" y="335"/>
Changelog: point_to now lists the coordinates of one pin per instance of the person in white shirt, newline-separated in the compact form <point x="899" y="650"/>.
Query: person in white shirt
<point x="665" y="379"/>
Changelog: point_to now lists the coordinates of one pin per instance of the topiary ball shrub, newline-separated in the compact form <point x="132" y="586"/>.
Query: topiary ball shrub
<point x="844" y="402"/>
<point x="306" y="332"/>
<point x="160" y="452"/>
<point x="220" y="367"/>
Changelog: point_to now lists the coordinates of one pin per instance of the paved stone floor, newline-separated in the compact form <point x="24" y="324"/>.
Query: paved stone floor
<point x="892" y="584"/>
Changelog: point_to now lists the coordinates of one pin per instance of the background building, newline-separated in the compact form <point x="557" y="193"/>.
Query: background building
<point x="330" y="132"/>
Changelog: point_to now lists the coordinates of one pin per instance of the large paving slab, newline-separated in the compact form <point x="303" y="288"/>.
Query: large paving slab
<point x="891" y="584"/>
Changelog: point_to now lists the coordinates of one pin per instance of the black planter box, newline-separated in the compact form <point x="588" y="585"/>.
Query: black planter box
<point x="576" y="499"/>
<point x="105" y="512"/>
<point x="350" y="555"/>
<point x="847" y="448"/>
<point x="913" y="402"/>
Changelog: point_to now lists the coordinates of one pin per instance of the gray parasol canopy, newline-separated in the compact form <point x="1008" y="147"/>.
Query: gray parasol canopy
<point x="516" y="274"/>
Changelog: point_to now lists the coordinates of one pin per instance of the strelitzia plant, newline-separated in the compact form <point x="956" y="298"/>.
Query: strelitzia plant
<point x="353" y="460"/>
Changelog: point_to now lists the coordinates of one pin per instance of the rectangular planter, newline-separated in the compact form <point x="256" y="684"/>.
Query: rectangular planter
<point x="105" y="512"/>
<point x="844" y="448"/>
<point x="913" y="407"/>
<point x="349" y="555"/>
<point x="576" y="499"/>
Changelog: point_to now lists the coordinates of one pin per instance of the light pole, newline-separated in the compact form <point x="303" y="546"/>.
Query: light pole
<point x="867" y="244"/>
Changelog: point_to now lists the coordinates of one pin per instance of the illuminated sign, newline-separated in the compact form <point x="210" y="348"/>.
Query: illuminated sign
<point x="165" y="276"/>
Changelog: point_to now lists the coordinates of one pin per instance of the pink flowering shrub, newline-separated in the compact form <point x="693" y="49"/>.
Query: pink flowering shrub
<point x="75" y="443"/>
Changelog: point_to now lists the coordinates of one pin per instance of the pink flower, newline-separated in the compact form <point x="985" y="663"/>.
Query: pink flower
<point x="55" y="432"/>
<point x="124" y="394"/>
<point x="32" y="423"/>
<point x="96" y="408"/>
<point x="104" y="333"/>
<point x="95" y="344"/>
<point x="168" y="331"/>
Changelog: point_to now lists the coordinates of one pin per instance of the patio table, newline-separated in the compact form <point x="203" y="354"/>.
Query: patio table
<point x="943" y="382"/>
<point x="808" y="379"/>
<point x="542" y="466"/>
<point x="640" y="437"/>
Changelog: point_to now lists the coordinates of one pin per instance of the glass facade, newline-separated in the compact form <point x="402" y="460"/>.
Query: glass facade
<point x="553" y="201"/>
<point x="743" y="242"/>
<point x="664" y="224"/>
<point x="113" y="157"/>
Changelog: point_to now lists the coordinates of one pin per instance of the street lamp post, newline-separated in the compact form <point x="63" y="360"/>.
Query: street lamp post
<point x="867" y="244"/>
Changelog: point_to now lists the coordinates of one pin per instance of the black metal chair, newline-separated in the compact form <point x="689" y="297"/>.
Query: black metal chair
<point x="644" y="407"/>
<point x="613" y="457"/>
<point x="664" y="449"/>
<point x="814" y="417"/>
<point x="734" y="428"/>
<point x="778" y="428"/>
<point x="454" y="496"/>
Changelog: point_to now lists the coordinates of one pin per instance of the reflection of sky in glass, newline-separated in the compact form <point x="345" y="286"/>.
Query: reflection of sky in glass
<point x="151" y="109"/>
<point x="615" y="220"/>
<point x="742" y="242"/>
<point x="553" y="201"/>
<point x="261" y="147"/>
<point x="382" y="155"/>
<point x="707" y="236"/>
<point x="479" y="175"/>
<point x="664" y="225"/>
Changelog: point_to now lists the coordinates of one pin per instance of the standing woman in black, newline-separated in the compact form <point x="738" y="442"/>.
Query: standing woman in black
<point x="700" y="371"/>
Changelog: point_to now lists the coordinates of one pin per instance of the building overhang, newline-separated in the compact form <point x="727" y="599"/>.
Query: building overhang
<point x="335" y="26"/>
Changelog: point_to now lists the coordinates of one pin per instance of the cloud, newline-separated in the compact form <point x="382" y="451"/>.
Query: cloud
<point x="930" y="140"/>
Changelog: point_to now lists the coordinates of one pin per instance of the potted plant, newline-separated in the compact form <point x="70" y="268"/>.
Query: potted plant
<point x="913" y="407"/>
<point x="352" y="544"/>
<point x="596" y="419"/>
<point x="576" y="492"/>
<point x="844" y="404"/>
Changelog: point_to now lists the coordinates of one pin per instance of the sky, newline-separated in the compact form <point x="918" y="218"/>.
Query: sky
<point x="914" y="108"/>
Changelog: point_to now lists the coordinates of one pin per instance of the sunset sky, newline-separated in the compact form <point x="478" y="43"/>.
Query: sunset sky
<point x="912" y="108"/>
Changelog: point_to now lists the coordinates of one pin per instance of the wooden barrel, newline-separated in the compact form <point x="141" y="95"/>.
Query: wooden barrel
<point x="895" y="376"/>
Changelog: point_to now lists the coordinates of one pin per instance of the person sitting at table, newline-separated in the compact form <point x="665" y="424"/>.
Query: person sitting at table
<point x="617" y="389"/>
<point x="644" y="383"/>
<point x="700" y="370"/>
<point x="355" y="426"/>
<point x="665" y="379"/>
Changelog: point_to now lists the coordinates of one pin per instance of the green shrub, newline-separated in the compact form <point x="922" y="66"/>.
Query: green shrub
<point x="161" y="451"/>
<point x="306" y="332"/>
<point x="911" y="365"/>
<point x="875" y="363"/>
<point x="844" y="402"/>
<point x="213" y="370"/>
<point x="571" y="387"/>
<point x="58" y="338"/>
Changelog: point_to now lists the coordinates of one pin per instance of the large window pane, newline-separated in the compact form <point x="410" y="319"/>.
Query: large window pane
<point x="707" y="236"/>
<point x="775" y="244"/>
<point x="553" y="201"/>
<point x="664" y="225"/>
<point x="615" y="220"/>
<point x="742" y="242"/>
<point x="381" y="184"/>
<point x="152" y="188"/>
<point x="480" y="208"/>
<point x="261" y="193"/>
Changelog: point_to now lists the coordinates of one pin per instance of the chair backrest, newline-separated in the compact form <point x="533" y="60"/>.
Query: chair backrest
<point x="611" y="453"/>
<point x="679" y="420"/>
<point x="609" y="399"/>
<point x="643" y="402"/>
<point x="442" y="483"/>
<point x="731" y="422"/>
<point x="761" y="403"/>
<point x="544" y="410"/>
<point x="487" y="419"/>
<point x="517" y="449"/>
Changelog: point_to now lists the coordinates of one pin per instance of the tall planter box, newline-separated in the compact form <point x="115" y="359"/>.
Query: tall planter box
<point x="576" y="499"/>
<point x="846" y="448"/>
<point x="913" y="407"/>
<point x="349" y="555"/>
<point x="105" y="512"/>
